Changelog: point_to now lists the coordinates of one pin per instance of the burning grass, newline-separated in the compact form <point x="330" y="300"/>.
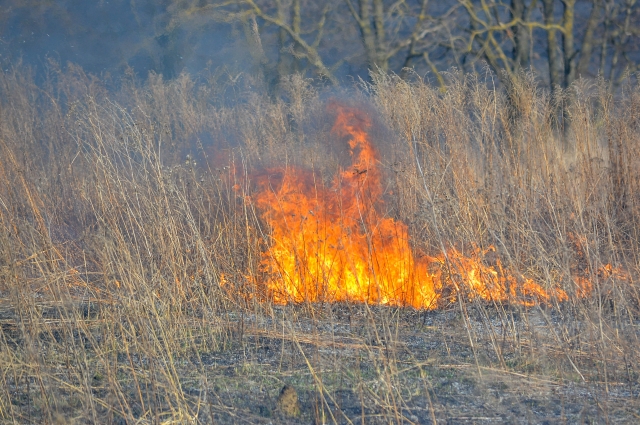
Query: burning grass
<point x="410" y="256"/>
<point x="331" y="243"/>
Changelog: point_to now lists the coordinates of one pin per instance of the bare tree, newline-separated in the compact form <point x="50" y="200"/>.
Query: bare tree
<point x="298" y="35"/>
<point x="506" y="35"/>
<point x="397" y="30"/>
<point x="561" y="40"/>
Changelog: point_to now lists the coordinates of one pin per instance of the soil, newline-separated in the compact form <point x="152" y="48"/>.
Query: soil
<point x="360" y="364"/>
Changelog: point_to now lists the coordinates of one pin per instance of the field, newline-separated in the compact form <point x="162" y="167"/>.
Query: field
<point x="197" y="251"/>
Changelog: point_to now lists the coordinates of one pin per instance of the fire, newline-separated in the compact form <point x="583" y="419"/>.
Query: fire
<point x="332" y="243"/>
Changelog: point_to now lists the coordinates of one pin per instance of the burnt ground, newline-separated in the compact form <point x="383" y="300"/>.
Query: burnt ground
<point x="347" y="364"/>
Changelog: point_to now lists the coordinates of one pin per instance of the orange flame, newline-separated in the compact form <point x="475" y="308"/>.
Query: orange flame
<point x="331" y="243"/>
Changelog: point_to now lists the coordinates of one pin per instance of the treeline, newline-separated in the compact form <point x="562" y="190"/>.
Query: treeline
<point x="336" y="40"/>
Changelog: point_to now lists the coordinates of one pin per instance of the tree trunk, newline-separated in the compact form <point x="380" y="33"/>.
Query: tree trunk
<point x="552" y="46"/>
<point x="522" y="39"/>
<point x="372" y="31"/>
<point x="587" y="42"/>
<point x="381" y="61"/>
<point x="568" y="20"/>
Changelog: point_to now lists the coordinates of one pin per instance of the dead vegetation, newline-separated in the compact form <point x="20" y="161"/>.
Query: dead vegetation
<point x="129" y="254"/>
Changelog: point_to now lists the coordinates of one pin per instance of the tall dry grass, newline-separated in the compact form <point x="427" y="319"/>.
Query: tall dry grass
<point x="128" y="250"/>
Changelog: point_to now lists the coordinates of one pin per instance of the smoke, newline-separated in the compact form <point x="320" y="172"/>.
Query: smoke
<point x="111" y="37"/>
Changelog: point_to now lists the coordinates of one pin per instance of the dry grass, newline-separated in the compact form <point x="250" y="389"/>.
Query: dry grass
<point x="121" y="210"/>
